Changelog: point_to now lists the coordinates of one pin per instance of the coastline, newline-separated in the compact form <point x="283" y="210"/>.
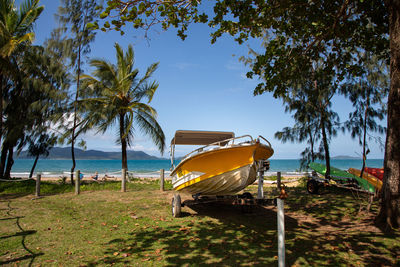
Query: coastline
<point x="56" y="169"/>
<point x="117" y="175"/>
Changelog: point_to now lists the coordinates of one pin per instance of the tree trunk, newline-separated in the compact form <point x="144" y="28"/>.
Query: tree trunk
<point x="33" y="167"/>
<point x="389" y="214"/>
<point x="326" y="148"/>
<point x="4" y="151"/>
<point x="365" y="136"/>
<point x="312" y="145"/>
<point x="75" y="110"/>
<point x="1" y="108"/>
<point x="123" y="137"/>
<point x="10" y="162"/>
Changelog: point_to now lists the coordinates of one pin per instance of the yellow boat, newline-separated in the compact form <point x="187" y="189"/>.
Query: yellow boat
<point x="373" y="180"/>
<point x="224" y="165"/>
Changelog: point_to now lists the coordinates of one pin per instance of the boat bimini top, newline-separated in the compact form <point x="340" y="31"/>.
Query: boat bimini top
<point x="205" y="138"/>
<point x="200" y="137"/>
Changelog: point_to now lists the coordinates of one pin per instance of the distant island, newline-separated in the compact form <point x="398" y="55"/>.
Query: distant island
<point x="345" y="157"/>
<point x="65" y="153"/>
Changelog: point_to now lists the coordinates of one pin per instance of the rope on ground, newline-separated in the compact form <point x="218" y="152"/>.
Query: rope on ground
<point x="16" y="180"/>
<point x="113" y="172"/>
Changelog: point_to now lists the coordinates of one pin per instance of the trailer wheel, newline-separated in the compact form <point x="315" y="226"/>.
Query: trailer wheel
<point x="247" y="195"/>
<point x="312" y="187"/>
<point x="176" y="206"/>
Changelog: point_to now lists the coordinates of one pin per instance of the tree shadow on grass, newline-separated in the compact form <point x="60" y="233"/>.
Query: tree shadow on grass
<point x="335" y="232"/>
<point x="231" y="238"/>
<point x="21" y="233"/>
<point x="320" y="231"/>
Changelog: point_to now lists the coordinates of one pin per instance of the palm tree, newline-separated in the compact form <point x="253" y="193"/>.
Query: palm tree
<point x="117" y="95"/>
<point x="15" y="31"/>
<point x="16" y="27"/>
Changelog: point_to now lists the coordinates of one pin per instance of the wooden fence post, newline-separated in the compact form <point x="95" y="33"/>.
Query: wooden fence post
<point x="278" y="181"/>
<point x="123" y="181"/>
<point x="37" y="191"/>
<point x="162" y="179"/>
<point x="77" y="182"/>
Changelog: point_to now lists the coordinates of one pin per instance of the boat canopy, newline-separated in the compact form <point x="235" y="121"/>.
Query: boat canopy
<point x="183" y="137"/>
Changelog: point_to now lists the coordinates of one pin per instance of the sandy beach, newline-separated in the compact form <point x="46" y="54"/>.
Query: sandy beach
<point x="289" y="180"/>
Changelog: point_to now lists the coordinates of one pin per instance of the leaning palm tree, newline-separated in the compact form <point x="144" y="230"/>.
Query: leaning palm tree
<point x="119" y="96"/>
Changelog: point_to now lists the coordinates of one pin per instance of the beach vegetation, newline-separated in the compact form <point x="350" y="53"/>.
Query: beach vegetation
<point x="299" y="34"/>
<point x="34" y="99"/>
<point x="119" y="96"/>
<point x="310" y="102"/>
<point x="368" y="95"/>
<point x="16" y="32"/>
<point x="40" y="146"/>
<point x="73" y="39"/>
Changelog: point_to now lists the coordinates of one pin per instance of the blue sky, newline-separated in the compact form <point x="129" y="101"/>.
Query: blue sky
<point x="202" y="86"/>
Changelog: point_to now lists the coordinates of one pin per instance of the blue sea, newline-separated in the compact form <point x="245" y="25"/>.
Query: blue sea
<point x="151" y="168"/>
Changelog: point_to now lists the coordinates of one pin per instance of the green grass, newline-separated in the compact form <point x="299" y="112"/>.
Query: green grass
<point x="103" y="226"/>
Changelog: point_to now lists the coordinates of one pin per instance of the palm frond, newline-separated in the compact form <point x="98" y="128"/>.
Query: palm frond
<point x="149" y="126"/>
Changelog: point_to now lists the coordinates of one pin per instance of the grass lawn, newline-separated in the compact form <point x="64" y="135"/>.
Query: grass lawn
<point x="103" y="226"/>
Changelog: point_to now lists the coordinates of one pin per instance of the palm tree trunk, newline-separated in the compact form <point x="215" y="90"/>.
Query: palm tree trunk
<point x="122" y="137"/>
<point x="33" y="167"/>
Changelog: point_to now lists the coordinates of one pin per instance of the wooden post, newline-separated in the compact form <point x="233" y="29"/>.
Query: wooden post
<point x="77" y="182"/>
<point x="281" y="224"/>
<point x="37" y="192"/>
<point x="162" y="179"/>
<point x="278" y="181"/>
<point x="260" y="193"/>
<point x="123" y="181"/>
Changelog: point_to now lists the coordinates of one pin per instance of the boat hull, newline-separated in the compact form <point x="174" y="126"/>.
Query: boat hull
<point x="338" y="174"/>
<point x="373" y="180"/>
<point x="377" y="172"/>
<point x="222" y="171"/>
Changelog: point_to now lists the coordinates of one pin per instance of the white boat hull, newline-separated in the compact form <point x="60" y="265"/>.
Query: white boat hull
<point x="227" y="183"/>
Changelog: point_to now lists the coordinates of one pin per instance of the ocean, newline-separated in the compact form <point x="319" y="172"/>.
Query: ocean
<point x="151" y="168"/>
